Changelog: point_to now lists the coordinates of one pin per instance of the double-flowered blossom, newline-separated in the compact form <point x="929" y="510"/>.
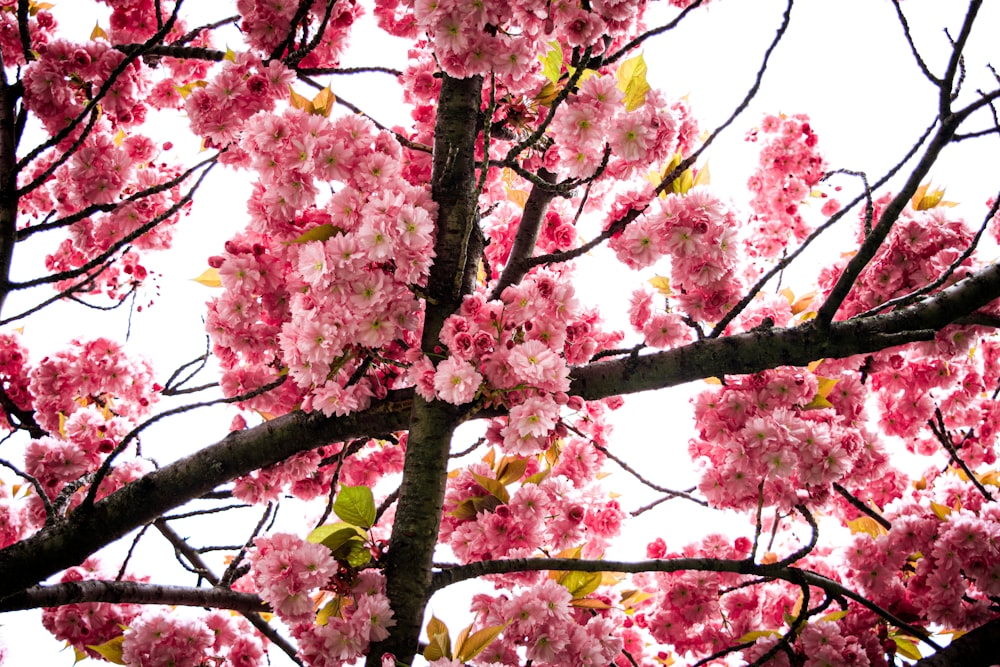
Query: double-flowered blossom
<point x="291" y="575"/>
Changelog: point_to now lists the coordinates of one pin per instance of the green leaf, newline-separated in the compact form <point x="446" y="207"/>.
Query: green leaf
<point x="111" y="650"/>
<point x="329" y="610"/>
<point x="359" y="554"/>
<point x="318" y="233"/>
<point x="339" y="534"/>
<point x="319" y="534"/>
<point x="580" y="584"/>
<point x="538" y="476"/>
<point x="906" y="647"/>
<point x="631" y="77"/>
<point x="552" y="62"/>
<point x="756" y="634"/>
<point x="356" y="506"/>
<point x="496" y="489"/>
<point x="477" y="642"/>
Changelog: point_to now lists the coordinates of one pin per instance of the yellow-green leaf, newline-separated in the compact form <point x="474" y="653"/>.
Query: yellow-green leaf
<point x="334" y="535"/>
<point x="187" y="88"/>
<point x="835" y="615"/>
<point x="552" y="62"/>
<point x="511" y="470"/>
<point x="571" y="552"/>
<point x="589" y="603"/>
<point x="548" y="93"/>
<point x="356" y="506"/>
<point x="818" y="403"/>
<point x="110" y="650"/>
<point x="704" y="176"/>
<point x="519" y="197"/>
<point x="98" y="33"/>
<point x="230" y="55"/>
<point x="299" y="102"/>
<point x="580" y="584"/>
<point x="323" y="102"/>
<point x="438" y="640"/>
<point x="941" y="511"/>
<point x="538" y="476"/>
<point x="490" y="458"/>
<point x="991" y="477"/>
<point x="633" y="597"/>
<point x="462" y="636"/>
<point x="631" y="78"/>
<point x="584" y="75"/>
<point x="496" y="489"/>
<point x="477" y="642"/>
<point x="357" y="553"/>
<point x="907" y="648"/>
<point x="866" y="524"/>
<point x="755" y="635"/>
<point x="465" y="510"/>
<point x="661" y="284"/>
<point x="683" y="183"/>
<point x="825" y="385"/>
<point x="330" y="610"/>
<point x="209" y="278"/>
<point x="436" y="626"/>
<point x="318" y="233"/>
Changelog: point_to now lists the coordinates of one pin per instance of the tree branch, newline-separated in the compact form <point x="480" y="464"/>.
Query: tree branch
<point x="133" y="592"/>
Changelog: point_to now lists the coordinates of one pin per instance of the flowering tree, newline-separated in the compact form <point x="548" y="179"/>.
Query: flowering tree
<point x="392" y="284"/>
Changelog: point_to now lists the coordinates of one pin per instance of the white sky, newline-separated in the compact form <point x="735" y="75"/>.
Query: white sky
<point x="845" y="63"/>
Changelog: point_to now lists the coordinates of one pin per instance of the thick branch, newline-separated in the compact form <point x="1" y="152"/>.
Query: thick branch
<point x="132" y="592"/>
<point x="527" y="235"/>
<point x="8" y="184"/>
<point x="425" y="469"/>
<point x="977" y="648"/>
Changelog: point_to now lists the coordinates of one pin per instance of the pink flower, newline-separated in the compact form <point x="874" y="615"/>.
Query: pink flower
<point x="456" y="381"/>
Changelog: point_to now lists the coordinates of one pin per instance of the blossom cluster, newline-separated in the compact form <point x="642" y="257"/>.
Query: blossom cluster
<point x="790" y="166"/>
<point x="697" y="231"/>
<point x="268" y="28"/>
<point x="57" y="84"/>
<point x="504" y="38"/>
<point x="597" y="116"/>
<point x="541" y="621"/>
<point x="316" y="284"/>
<point x="290" y="574"/>
<point x="550" y="511"/>
<point x="921" y="246"/>
<point x="88" y="397"/>
<point x="241" y="88"/>
<point x="162" y="637"/>
<point x="775" y="435"/>
<point x="89" y="624"/>
<point x="41" y="26"/>
<point x="939" y="556"/>
<point x="151" y="636"/>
